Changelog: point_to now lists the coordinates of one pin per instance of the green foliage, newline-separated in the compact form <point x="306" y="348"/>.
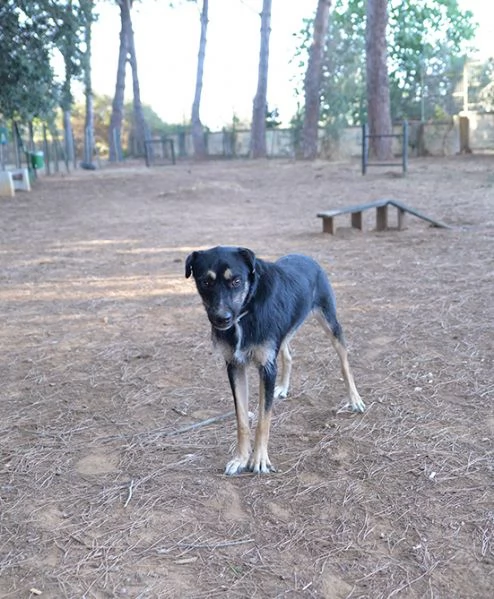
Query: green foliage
<point x="272" y="118"/>
<point x="69" y="19"/>
<point x="102" y="116"/>
<point x="31" y="32"/>
<point x="481" y="85"/>
<point x="27" y="81"/>
<point x="427" y="40"/>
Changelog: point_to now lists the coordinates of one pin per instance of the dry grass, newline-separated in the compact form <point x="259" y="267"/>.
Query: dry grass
<point x="117" y="414"/>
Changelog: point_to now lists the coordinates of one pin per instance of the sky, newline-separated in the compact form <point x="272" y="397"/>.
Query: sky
<point x="167" y="42"/>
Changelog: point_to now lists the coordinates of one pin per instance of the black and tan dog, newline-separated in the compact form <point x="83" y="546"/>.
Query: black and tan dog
<point x="255" y="307"/>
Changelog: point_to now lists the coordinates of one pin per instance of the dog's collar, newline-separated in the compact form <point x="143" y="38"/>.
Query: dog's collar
<point x="240" y="316"/>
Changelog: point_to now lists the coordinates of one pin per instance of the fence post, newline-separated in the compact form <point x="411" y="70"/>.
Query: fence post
<point x="365" y="147"/>
<point x="172" y="150"/>
<point x="146" y="152"/>
<point x="404" y="149"/>
<point x="46" y="151"/>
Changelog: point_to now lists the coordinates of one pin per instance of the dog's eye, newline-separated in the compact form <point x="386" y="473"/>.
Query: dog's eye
<point x="236" y="282"/>
<point x="208" y="282"/>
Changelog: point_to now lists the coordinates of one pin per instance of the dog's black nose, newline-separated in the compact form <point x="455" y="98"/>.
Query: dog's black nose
<point x="222" y="320"/>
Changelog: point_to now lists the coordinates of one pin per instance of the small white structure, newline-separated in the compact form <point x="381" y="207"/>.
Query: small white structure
<point x="15" y="179"/>
<point x="6" y="185"/>
<point x="20" y="177"/>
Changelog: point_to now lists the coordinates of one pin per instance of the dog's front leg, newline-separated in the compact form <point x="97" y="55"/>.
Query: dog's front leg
<point x="260" y="463"/>
<point x="237" y="375"/>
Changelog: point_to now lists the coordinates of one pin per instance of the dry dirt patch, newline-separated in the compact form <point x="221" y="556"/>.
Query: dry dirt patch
<point x="106" y="356"/>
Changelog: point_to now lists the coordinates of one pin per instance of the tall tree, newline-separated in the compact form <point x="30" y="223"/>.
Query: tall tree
<point x="141" y="133"/>
<point x="67" y="42"/>
<point x="115" y="129"/>
<point x="312" y="82"/>
<point x="377" y="81"/>
<point x="427" y="42"/>
<point x="258" y="129"/>
<point x="127" y="52"/>
<point x="87" y="10"/>
<point x="197" y="129"/>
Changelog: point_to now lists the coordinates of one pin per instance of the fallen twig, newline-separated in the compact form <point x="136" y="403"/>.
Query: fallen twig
<point x="199" y="424"/>
<point x="206" y="545"/>
<point x="129" y="496"/>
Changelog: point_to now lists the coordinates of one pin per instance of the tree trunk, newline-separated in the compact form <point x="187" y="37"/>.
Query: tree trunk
<point x="141" y="133"/>
<point x="312" y="82"/>
<point x="258" y="130"/>
<point x="115" y="129"/>
<point x="68" y="138"/>
<point x="88" y="7"/>
<point x="378" y="103"/>
<point x="67" y="98"/>
<point x="197" y="129"/>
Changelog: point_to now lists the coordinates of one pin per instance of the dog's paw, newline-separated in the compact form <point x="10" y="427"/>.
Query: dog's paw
<point x="237" y="466"/>
<point x="354" y="405"/>
<point x="280" y="392"/>
<point x="357" y="405"/>
<point x="261" y="464"/>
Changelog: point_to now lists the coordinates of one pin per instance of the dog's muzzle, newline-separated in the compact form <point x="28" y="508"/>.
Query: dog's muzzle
<point x="222" y="320"/>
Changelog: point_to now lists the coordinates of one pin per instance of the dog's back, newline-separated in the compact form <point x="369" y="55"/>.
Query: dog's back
<point x="287" y="291"/>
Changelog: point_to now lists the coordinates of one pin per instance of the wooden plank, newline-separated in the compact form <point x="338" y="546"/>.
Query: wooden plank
<point x="381" y="215"/>
<point x="421" y="215"/>
<point x="401" y="219"/>
<point x="350" y="209"/>
<point x="328" y="225"/>
<point x="382" y="218"/>
<point x="357" y="220"/>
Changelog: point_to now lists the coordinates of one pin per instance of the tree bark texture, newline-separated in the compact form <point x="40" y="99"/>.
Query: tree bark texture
<point x="68" y="137"/>
<point x="116" y="119"/>
<point x="67" y="91"/>
<point x="197" y="129"/>
<point x="312" y="82"/>
<point x="378" y="102"/>
<point x="141" y="133"/>
<point x="258" y="129"/>
<point x="88" y="88"/>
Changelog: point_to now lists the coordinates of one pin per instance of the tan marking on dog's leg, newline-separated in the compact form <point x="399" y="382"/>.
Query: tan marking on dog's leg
<point x="281" y="390"/>
<point x="240" y="461"/>
<point x="260" y="463"/>
<point x="356" y="403"/>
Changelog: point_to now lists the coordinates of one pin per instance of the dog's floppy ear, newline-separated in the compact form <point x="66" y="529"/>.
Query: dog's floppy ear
<point x="249" y="257"/>
<point x="189" y="264"/>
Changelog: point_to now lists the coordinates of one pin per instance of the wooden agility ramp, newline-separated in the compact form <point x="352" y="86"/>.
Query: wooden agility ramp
<point x="381" y="206"/>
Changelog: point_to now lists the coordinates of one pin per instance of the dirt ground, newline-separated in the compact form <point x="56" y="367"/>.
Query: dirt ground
<point x="111" y="478"/>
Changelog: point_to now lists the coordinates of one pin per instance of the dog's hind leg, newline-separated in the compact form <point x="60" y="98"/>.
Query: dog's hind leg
<point x="260" y="463"/>
<point x="281" y="390"/>
<point x="328" y="320"/>
<point x="237" y="375"/>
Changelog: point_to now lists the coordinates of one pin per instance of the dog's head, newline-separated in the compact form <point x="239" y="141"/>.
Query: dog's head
<point x="224" y="277"/>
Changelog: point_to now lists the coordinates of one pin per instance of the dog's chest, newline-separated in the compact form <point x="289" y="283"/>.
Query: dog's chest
<point x="237" y="349"/>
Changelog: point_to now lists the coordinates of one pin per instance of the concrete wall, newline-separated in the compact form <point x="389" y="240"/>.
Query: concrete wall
<point x="429" y="139"/>
<point x="481" y="131"/>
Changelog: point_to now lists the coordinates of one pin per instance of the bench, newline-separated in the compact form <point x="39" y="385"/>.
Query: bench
<point x="14" y="179"/>
<point x="381" y="206"/>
